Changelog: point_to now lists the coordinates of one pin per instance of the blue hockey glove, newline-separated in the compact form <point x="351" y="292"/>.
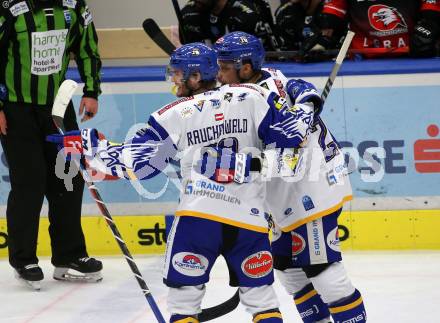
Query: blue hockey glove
<point x="303" y="92"/>
<point x="77" y="142"/>
<point x="224" y="166"/>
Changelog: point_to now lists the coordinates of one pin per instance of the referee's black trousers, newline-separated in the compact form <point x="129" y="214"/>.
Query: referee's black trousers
<point x="31" y="163"/>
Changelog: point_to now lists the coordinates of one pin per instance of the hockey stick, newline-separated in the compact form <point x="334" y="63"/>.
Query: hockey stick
<point x="179" y="19"/>
<point x="339" y="59"/>
<point x="61" y="102"/>
<point x="157" y="35"/>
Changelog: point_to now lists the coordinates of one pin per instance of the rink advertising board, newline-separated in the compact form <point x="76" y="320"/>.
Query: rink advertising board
<point x="142" y="235"/>
<point x="393" y="117"/>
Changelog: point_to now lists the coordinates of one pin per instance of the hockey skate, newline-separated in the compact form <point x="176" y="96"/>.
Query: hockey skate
<point x="31" y="275"/>
<point x="87" y="270"/>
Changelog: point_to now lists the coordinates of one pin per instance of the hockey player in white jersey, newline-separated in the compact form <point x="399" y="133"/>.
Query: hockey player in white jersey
<point x="306" y="207"/>
<point x="212" y="219"/>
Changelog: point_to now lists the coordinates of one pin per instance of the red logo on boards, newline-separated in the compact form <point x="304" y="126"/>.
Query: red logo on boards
<point x="427" y="152"/>
<point x="384" y="18"/>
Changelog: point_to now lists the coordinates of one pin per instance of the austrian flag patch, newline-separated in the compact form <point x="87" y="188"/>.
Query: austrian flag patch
<point x="219" y="117"/>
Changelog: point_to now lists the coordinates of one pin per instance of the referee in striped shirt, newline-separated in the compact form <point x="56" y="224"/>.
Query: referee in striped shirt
<point x="37" y="38"/>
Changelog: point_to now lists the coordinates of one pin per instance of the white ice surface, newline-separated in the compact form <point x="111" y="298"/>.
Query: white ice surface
<point x="401" y="287"/>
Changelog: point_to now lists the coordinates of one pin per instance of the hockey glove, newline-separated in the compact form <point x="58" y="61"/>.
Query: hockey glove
<point x="224" y="166"/>
<point x="77" y="142"/>
<point x="425" y="36"/>
<point x="300" y="91"/>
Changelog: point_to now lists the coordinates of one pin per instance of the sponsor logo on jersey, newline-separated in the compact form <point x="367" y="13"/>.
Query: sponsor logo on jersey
<point x="190" y="264"/>
<point x="228" y="97"/>
<point x="199" y="105"/>
<point x="210" y="190"/>
<point x="69" y="3"/>
<point x="359" y="318"/>
<point x="187" y="112"/>
<point x="331" y="178"/>
<point x="264" y="84"/>
<point x="298" y="244"/>
<point x="386" y="20"/>
<point x="257" y="265"/>
<point x="87" y="16"/>
<point x="333" y="239"/>
<point x="219" y="117"/>
<point x="19" y="8"/>
<point x="169" y="106"/>
<point x="316" y="235"/>
<point x="215" y="103"/>
<point x="288" y="211"/>
<point x="255" y="211"/>
<point x="307" y="203"/>
<point x="67" y="16"/>
<point x="309" y="312"/>
<point x="242" y="97"/>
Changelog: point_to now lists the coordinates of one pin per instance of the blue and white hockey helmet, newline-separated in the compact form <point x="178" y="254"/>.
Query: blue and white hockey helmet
<point x="239" y="46"/>
<point x="193" y="58"/>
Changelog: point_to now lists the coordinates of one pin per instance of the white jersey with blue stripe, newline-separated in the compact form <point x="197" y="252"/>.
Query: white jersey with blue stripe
<point x="321" y="185"/>
<point x="234" y="116"/>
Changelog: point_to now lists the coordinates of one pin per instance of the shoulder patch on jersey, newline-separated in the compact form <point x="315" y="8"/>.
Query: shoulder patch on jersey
<point x="242" y="96"/>
<point x="264" y="84"/>
<point x="228" y="96"/>
<point x="19" y="9"/>
<point x="173" y="104"/>
<point x="69" y="3"/>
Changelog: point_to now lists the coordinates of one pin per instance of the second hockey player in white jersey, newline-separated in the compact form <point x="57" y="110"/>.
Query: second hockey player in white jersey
<point x="212" y="219"/>
<point x="307" y="205"/>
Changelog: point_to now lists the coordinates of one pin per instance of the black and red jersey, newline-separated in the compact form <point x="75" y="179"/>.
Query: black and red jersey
<point x="380" y="23"/>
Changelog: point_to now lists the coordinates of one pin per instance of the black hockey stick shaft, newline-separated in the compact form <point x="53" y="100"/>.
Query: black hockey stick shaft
<point x="59" y="123"/>
<point x="179" y="19"/>
<point x="156" y="34"/>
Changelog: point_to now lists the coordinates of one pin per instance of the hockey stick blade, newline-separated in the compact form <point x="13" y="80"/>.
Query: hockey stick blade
<point x="157" y="35"/>
<point x="214" y="312"/>
<point x="62" y="99"/>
